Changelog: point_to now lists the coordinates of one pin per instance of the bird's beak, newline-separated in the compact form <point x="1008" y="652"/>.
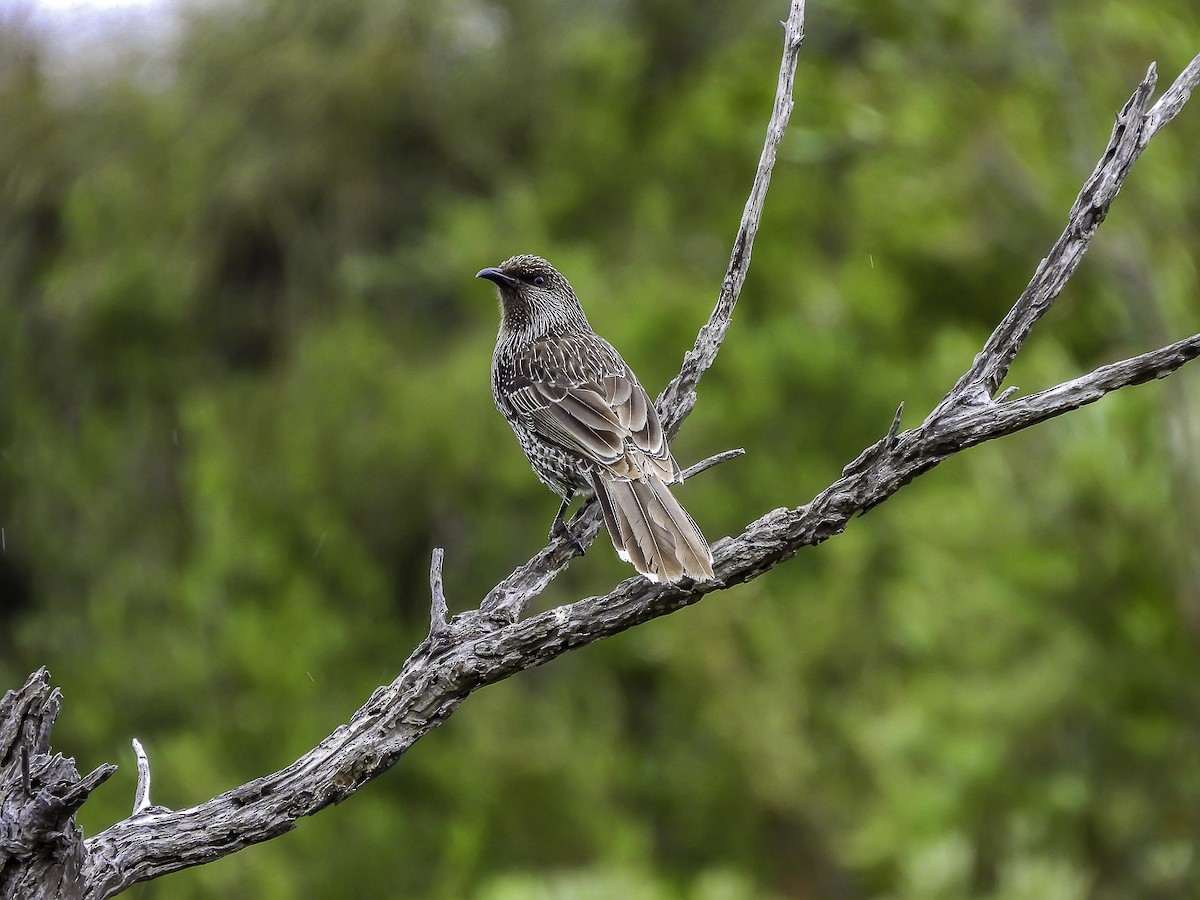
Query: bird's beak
<point x="496" y="275"/>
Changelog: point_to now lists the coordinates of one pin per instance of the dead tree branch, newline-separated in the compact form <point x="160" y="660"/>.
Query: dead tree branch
<point x="484" y="645"/>
<point x="41" y="848"/>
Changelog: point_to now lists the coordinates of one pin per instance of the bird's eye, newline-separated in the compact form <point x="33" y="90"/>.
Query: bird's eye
<point x="539" y="280"/>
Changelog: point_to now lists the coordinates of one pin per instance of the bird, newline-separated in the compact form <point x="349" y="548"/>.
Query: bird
<point x="586" y="424"/>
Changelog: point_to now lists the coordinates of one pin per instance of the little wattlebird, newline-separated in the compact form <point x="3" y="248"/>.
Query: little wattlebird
<point x="586" y="424"/>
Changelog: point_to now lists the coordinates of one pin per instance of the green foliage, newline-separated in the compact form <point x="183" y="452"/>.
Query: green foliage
<point x="244" y="372"/>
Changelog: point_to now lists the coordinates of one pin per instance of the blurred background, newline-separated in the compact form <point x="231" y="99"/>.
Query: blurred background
<point x="244" y="372"/>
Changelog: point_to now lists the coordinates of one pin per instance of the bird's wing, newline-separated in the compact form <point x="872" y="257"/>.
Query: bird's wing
<point x="594" y="407"/>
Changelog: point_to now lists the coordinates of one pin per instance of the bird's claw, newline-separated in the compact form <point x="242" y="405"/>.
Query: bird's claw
<point x="560" y="531"/>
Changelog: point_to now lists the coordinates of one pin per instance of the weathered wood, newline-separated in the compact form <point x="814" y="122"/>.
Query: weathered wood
<point x="41" y="848"/>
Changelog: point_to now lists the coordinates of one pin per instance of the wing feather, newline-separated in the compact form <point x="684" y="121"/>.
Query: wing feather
<point x="577" y="393"/>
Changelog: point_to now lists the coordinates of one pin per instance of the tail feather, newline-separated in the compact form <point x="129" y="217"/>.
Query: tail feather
<point x="690" y="547"/>
<point x="646" y="529"/>
<point x="651" y="530"/>
<point x="611" y="523"/>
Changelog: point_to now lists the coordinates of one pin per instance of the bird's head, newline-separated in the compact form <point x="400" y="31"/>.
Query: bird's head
<point x="534" y="298"/>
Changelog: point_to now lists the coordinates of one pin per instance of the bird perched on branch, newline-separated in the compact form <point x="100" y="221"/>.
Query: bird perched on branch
<point x="586" y="424"/>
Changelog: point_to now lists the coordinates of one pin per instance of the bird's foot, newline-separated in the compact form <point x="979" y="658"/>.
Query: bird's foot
<point x="560" y="531"/>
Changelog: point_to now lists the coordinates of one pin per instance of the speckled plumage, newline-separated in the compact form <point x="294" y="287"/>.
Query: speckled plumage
<point x="585" y="422"/>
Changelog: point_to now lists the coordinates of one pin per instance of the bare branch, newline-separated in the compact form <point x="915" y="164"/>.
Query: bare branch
<point x="981" y="381"/>
<point x="41" y="847"/>
<point x="705" y="464"/>
<point x="679" y="396"/>
<point x="983" y="423"/>
<point x="141" y="796"/>
<point x="1131" y="133"/>
<point x="439" y="614"/>
<point x="508" y="599"/>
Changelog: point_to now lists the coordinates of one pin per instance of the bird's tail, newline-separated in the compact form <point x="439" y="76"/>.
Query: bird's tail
<point x="650" y="529"/>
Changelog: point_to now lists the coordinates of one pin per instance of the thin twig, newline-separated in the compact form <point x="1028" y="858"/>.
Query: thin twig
<point x="679" y="396"/>
<point x="705" y="464"/>
<point x="141" y="796"/>
<point x="439" y="613"/>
